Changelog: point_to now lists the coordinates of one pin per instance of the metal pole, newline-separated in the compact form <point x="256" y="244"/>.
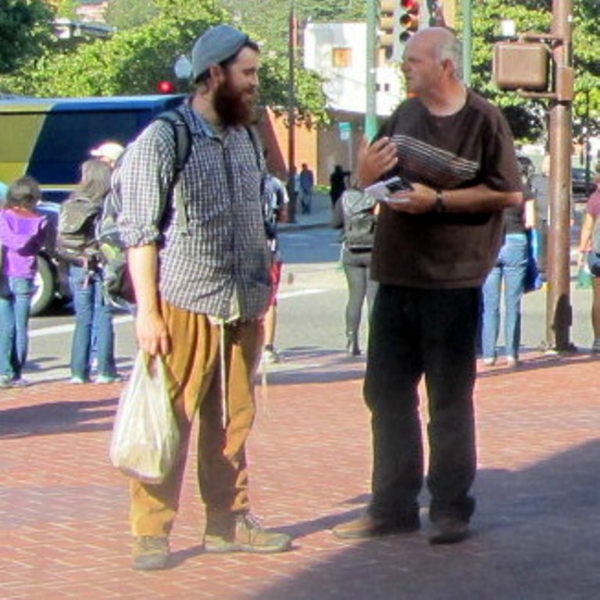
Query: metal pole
<point x="371" y="75"/>
<point x="467" y="41"/>
<point x="558" y="307"/>
<point x="292" y="38"/>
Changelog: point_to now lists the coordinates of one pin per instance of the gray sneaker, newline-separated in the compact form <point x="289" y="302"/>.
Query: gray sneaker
<point x="242" y="532"/>
<point x="150" y="552"/>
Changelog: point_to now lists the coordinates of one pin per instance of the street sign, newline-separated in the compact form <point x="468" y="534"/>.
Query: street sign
<point x="345" y="130"/>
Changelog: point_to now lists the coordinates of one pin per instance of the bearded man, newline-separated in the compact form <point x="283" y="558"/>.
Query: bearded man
<point x="202" y="287"/>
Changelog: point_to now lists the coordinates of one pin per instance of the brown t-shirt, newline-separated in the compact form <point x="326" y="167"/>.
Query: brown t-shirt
<point x="445" y="250"/>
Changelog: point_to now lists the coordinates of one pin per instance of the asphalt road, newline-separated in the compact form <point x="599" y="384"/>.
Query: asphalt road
<point x="311" y="308"/>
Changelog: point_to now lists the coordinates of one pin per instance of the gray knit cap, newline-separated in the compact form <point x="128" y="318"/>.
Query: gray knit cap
<point x="216" y="45"/>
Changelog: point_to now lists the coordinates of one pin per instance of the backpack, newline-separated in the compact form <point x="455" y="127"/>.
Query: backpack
<point x="75" y="238"/>
<point x="117" y="286"/>
<point x="359" y="219"/>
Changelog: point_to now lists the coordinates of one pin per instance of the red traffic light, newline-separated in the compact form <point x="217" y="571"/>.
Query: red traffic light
<point x="165" y="87"/>
<point x="410" y="6"/>
<point x="408" y="19"/>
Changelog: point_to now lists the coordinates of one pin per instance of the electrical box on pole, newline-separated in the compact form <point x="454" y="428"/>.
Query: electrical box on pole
<point x="521" y="66"/>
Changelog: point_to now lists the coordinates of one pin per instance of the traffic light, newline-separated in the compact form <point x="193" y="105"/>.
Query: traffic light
<point x="406" y="23"/>
<point x="387" y="18"/>
<point x="165" y="87"/>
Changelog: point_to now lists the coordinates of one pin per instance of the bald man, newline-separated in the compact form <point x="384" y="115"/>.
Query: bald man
<point x="434" y="246"/>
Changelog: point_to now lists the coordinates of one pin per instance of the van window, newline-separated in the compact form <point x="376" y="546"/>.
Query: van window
<point x="67" y="137"/>
<point x="50" y="138"/>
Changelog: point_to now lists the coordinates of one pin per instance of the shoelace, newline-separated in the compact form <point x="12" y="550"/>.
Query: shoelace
<point x="252" y="522"/>
<point x="149" y="542"/>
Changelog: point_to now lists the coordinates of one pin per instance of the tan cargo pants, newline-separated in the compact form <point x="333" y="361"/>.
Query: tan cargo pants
<point x="194" y="366"/>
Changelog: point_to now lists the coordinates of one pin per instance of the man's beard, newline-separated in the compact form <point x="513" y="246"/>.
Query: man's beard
<point x="232" y="106"/>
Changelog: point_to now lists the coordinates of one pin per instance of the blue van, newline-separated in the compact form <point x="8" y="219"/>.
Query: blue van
<point x="48" y="139"/>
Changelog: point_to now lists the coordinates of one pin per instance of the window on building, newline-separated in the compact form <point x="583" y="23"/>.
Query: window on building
<point x="342" y="57"/>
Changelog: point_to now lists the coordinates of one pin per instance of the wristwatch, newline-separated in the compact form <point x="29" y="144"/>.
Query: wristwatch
<point x="439" y="206"/>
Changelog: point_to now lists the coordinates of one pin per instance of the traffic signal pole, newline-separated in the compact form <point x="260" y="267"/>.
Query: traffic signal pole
<point x="467" y="41"/>
<point x="371" y="66"/>
<point x="292" y="48"/>
<point x="523" y="65"/>
<point x="558" y="306"/>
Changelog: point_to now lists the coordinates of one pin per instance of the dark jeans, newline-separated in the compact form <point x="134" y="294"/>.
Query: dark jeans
<point x="413" y="333"/>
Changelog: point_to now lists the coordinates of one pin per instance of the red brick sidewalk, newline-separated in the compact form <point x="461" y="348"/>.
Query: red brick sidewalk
<point x="63" y="509"/>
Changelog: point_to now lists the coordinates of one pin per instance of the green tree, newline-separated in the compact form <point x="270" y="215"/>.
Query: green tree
<point x="527" y="117"/>
<point x="65" y="8"/>
<point x="269" y="21"/>
<point x="134" y="60"/>
<point x="125" y="14"/>
<point x="24" y="31"/>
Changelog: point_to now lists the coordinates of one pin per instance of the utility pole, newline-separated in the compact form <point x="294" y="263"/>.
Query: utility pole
<point x="467" y="41"/>
<point x="558" y="306"/>
<point x="522" y="65"/>
<point x="292" y="48"/>
<point x="371" y="74"/>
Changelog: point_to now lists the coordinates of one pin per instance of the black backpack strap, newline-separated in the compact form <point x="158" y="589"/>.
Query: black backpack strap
<point x="258" y="151"/>
<point x="183" y="138"/>
<point x="183" y="148"/>
<point x="270" y="228"/>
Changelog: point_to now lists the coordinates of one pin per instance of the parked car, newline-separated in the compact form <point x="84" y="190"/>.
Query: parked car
<point x="578" y="184"/>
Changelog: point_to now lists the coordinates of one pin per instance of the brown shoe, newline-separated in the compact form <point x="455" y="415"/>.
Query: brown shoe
<point x="150" y="552"/>
<point x="367" y="526"/>
<point x="241" y="532"/>
<point x="448" y="531"/>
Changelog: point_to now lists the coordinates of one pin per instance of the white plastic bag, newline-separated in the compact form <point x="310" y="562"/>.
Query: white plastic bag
<point x="145" y="437"/>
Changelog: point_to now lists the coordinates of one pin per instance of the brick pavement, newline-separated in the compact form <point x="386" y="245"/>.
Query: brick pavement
<point x="63" y="509"/>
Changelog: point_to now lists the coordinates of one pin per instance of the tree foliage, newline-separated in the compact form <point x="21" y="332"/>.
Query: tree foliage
<point x="527" y="116"/>
<point x="125" y="14"/>
<point x="134" y="60"/>
<point x="24" y="30"/>
<point x="269" y="21"/>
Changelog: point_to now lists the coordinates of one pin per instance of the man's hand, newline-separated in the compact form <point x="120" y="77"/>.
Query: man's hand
<point x="420" y="199"/>
<point x="373" y="160"/>
<point x="151" y="333"/>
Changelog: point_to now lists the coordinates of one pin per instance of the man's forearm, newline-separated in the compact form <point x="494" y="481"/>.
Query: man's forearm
<point x="479" y="198"/>
<point x="143" y="268"/>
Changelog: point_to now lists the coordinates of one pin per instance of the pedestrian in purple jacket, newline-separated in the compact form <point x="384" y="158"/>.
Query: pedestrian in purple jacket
<point x="22" y="235"/>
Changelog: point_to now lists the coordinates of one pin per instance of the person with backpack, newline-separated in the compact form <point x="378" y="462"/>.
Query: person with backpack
<point x="276" y="211"/>
<point x="199" y="262"/>
<point x="76" y="243"/>
<point x="23" y="233"/>
<point x="356" y="213"/>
